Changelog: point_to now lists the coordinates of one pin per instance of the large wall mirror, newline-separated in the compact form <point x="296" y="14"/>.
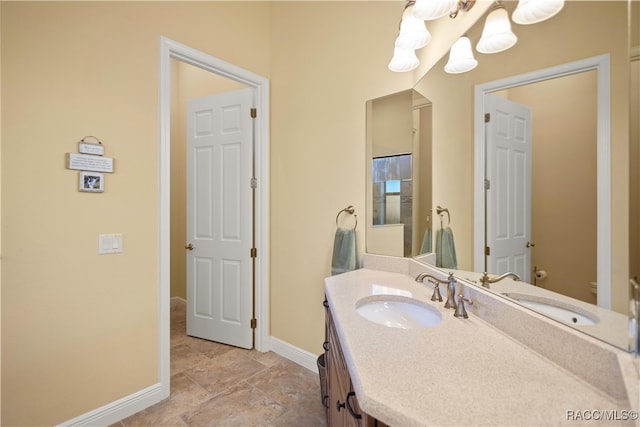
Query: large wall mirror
<point x="580" y="188"/>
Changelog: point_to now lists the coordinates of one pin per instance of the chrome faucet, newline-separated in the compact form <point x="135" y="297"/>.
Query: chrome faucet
<point x="451" y="288"/>
<point x="486" y="280"/>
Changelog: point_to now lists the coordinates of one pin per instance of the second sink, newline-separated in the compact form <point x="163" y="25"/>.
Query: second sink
<point x="558" y="310"/>
<point x="398" y="312"/>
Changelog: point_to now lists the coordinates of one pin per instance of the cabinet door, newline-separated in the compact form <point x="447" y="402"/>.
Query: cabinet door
<point x="343" y="409"/>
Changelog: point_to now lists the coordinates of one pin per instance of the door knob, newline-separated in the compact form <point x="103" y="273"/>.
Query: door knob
<point x="189" y="246"/>
<point x="530" y="245"/>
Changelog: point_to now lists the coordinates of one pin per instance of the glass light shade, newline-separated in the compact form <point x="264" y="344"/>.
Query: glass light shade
<point x="496" y="35"/>
<point x="403" y="60"/>
<point x="413" y="32"/>
<point x="428" y="10"/>
<point x="461" y="57"/>
<point x="534" y="11"/>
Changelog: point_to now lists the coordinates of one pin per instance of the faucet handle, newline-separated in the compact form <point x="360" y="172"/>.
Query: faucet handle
<point x="460" y="310"/>
<point x="436" y="291"/>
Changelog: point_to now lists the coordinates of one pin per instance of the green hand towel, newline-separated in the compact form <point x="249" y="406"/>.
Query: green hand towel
<point x="426" y="242"/>
<point x="446" y="249"/>
<point x="344" y="251"/>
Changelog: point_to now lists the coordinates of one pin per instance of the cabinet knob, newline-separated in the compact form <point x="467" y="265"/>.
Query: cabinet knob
<point x="339" y="405"/>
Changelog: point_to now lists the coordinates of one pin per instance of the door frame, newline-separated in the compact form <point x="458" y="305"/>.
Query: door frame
<point x="260" y="85"/>
<point x="601" y="64"/>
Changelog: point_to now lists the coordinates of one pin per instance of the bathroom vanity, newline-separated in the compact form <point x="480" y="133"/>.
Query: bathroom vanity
<point x="341" y="401"/>
<point x="455" y="371"/>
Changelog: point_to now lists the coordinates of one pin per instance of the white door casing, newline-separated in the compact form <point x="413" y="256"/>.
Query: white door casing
<point x="172" y="49"/>
<point x="508" y="173"/>
<point x="219" y="220"/>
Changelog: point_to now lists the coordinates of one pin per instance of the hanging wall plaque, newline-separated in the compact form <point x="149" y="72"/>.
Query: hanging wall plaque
<point x="91" y="148"/>
<point x="88" y="162"/>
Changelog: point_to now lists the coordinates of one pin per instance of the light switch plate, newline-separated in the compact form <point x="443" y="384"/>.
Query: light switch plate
<point x="109" y="244"/>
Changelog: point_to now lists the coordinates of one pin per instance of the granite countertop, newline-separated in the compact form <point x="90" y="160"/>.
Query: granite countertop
<point x="459" y="372"/>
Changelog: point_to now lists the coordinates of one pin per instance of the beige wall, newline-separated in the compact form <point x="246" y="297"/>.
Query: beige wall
<point x="546" y="44"/>
<point x="80" y="330"/>
<point x="318" y="150"/>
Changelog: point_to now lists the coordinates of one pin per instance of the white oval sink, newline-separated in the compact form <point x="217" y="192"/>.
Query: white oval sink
<point x="398" y="312"/>
<point x="558" y="310"/>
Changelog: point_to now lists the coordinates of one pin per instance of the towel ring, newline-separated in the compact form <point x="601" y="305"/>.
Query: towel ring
<point x="350" y="210"/>
<point x="440" y="210"/>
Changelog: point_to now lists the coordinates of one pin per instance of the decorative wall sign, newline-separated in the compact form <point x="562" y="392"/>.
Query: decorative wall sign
<point x="91" y="181"/>
<point x="88" y="162"/>
<point x="91" y="148"/>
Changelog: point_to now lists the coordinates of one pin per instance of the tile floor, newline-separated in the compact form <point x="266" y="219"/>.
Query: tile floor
<point x="218" y="385"/>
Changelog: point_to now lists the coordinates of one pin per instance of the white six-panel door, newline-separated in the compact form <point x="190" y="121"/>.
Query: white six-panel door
<point x="219" y="223"/>
<point x="509" y="193"/>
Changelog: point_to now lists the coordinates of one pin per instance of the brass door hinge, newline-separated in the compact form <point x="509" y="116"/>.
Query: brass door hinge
<point x="254" y="113"/>
<point x="254" y="252"/>
<point x="487" y="117"/>
<point x="487" y="250"/>
<point x="254" y="323"/>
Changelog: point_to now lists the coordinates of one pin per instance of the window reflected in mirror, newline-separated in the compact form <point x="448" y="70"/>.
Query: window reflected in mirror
<point x="393" y="194"/>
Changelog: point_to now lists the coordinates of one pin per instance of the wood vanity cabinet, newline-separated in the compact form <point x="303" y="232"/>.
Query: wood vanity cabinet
<point x="341" y="401"/>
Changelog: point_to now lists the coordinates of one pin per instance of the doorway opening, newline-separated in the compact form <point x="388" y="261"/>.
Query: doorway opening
<point x="259" y="85"/>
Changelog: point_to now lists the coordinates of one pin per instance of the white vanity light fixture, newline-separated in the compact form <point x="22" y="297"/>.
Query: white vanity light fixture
<point x="413" y="35"/>
<point x="534" y="11"/>
<point x="461" y="57"/>
<point x="496" y="34"/>
<point x="403" y="60"/>
<point x="428" y="10"/>
<point x="413" y="31"/>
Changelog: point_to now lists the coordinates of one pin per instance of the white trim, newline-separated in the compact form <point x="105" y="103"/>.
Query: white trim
<point x="601" y="64"/>
<point x="119" y="409"/>
<point x="172" y="49"/>
<point x="295" y="354"/>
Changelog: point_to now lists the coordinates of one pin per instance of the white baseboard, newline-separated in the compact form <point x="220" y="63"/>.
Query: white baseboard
<point x="119" y="409"/>
<point x="295" y="354"/>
